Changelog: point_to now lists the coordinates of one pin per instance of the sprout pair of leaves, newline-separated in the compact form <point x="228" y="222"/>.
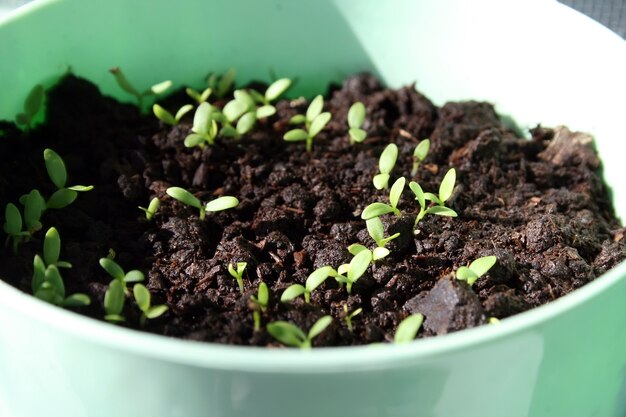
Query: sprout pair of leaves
<point x="115" y="298"/>
<point x="350" y="273"/>
<point x="376" y="230"/>
<point x="349" y="316"/>
<point x="314" y="121"/>
<point x="408" y="328"/>
<point x="204" y="129"/>
<point x="275" y="90"/>
<point x="63" y="196"/>
<point x="445" y="191"/>
<point x="291" y="335"/>
<point x="169" y="118"/>
<point x="315" y="279"/>
<point x="238" y="273"/>
<point x="47" y="283"/>
<point x="476" y="269"/>
<point x="221" y="84"/>
<point x="419" y="154"/>
<point x="378" y="209"/>
<point x="386" y="162"/>
<point x="152" y="208"/>
<point x="185" y="197"/>
<point x="125" y="85"/>
<point x="199" y="97"/>
<point x="259" y="304"/>
<point x="32" y="106"/>
<point x="238" y="116"/>
<point x="13" y="224"/>
<point x="356" y="117"/>
<point x="116" y="271"/>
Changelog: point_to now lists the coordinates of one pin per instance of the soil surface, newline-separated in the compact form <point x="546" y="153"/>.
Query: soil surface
<point x="538" y="205"/>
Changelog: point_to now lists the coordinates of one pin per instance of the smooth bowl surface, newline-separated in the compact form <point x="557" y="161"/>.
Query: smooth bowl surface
<point x="538" y="61"/>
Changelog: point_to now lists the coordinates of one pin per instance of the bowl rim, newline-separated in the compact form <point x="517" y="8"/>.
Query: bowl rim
<point x="290" y="361"/>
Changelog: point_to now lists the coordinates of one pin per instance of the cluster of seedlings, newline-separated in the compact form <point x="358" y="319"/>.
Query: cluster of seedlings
<point x="233" y="119"/>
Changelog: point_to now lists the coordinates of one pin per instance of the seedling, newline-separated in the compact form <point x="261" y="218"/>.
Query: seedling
<point x="408" y="328"/>
<point x="64" y="196"/>
<point x="275" y="90"/>
<point x="439" y="210"/>
<point x="238" y="273"/>
<point x="143" y="300"/>
<point x="114" y="300"/>
<point x="259" y="302"/>
<point x="200" y="97"/>
<point x="445" y="189"/>
<point x="376" y="230"/>
<point x="350" y="316"/>
<point x="315" y="279"/>
<point x="167" y="117"/>
<point x="34" y="206"/>
<point x="419" y="154"/>
<point x="185" y="197"/>
<point x="52" y="249"/>
<point x="32" y="106"/>
<point x="378" y="209"/>
<point x="13" y="226"/>
<point x="386" y="162"/>
<point x="356" y="117"/>
<point x="476" y="269"/>
<point x="291" y="335"/>
<point x="204" y="129"/>
<point x="222" y="84"/>
<point x="350" y="273"/>
<point x="125" y="85"/>
<point x="116" y="271"/>
<point x="152" y="208"/>
<point x="241" y="110"/>
<point x="314" y="121"/>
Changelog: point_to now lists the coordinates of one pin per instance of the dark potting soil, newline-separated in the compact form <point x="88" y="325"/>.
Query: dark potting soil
<point x="538" y="205"/>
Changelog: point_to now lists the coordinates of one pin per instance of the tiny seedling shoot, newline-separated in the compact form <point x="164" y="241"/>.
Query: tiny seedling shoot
<point x="116" y="271"/>
<point x="386" y="162"/>
<point x="125" y="85"/>
<point x="143" y="300"/>
<point x="13" y="224"/>
<point x="63" y="196"/>
<point x="315" y="279"/>
<point x="376" y="231"/>
<point x="238" y="273"/>
<point x="222" y="84"/>
<point x="445" y="191"/>
<point x="259" y="304"/>
<point x="476" y="269"/>
<point x="204" y="129"/>
<point x="114" y="299"/>
<point x="350" y="316"/>
<point x="275" y="90"/>
<point x="419" y="154"/>
<point x="152" y="208"/>
<point x="350" y="273"/>
<point x="238" y="116"/>
<point x="408" y="328"/>
<point x="169" y="118"/>
<point x="356" y="118"/>
<point x="32" y="106"/>
<point x="185" y="197"/>
<point x="378" y="209"/>
<point x="199" y="97"/>
<point x="291" y="335"/>
<point x="314" y="121"/>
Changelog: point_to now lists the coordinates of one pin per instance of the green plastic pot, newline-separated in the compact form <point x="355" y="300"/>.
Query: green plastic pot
<point x="536" y="60"/>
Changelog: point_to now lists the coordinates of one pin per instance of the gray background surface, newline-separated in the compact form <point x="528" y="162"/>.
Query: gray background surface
<point x="611" y="13"/>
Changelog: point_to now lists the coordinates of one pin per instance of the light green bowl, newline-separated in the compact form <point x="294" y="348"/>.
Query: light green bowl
<point x="536" y="60"/>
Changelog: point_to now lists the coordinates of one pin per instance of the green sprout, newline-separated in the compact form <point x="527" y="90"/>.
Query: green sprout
<point x="169" y="118"/>
<point x="52" y="249"/>
<point x="238" y="273"/>
<point x="445" y="191"/>
<point x="291" y="335"/>
<point x="356" y="117"/>
<point x="125" y="85"/>
<point x="240" y="110"/>
<point x="314" y="121"/>
<point x="275" y="90"/>
<point x="200" y="97"/>
<point x="315" y="279"/>
<point x="376" y="230"/>
<point x="204" y="129"/>
<point x="143" y="300"/>
<point x="419" y="154"/>
<point x="185" y="197"/>
<point x="386" y="162"/>
<point x="408" y="328"/>
<point x="114" y="300"/>
<point x="222" y="84"/>
<point x="259" y="304"/>
<point x="350" y="273"/>
<point x="350" y="316"/>
<point x="63" y="196"/>
<point x="34" y="206"/>
<point x="378" y="209"/>
<point x="152" y="208"/>
<point x="476" y="269"/>
<point x="32" y="106"/>
<point x="116" y="271"/>
<point x="13" y="227"/>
